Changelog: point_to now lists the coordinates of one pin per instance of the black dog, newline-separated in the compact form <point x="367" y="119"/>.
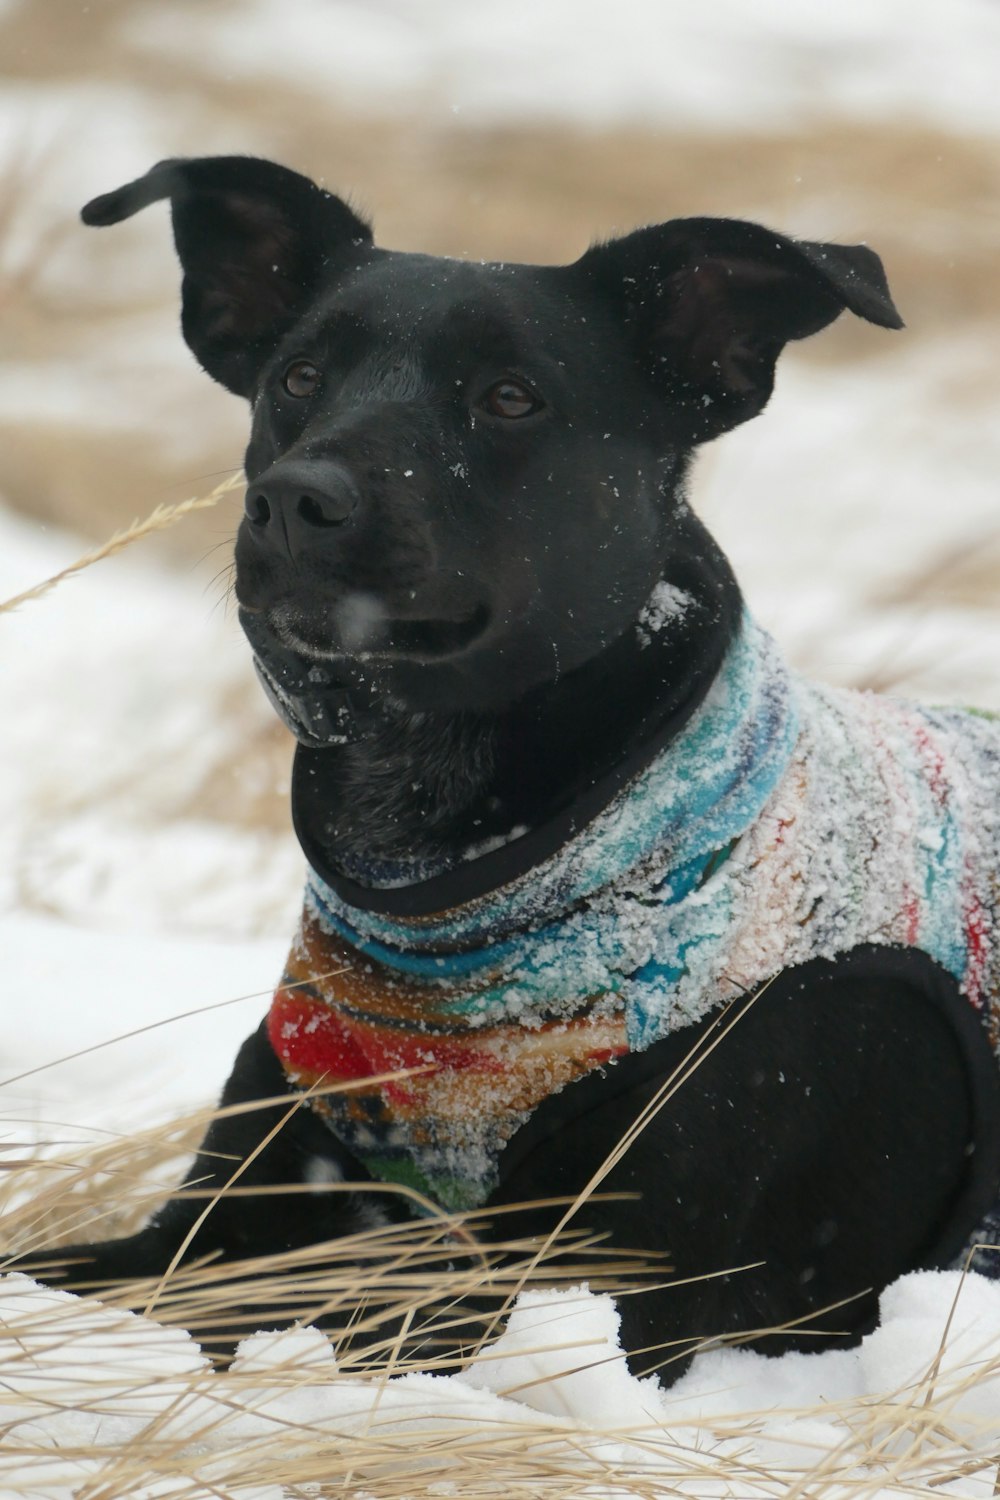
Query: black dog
<point x="476" y="593"/>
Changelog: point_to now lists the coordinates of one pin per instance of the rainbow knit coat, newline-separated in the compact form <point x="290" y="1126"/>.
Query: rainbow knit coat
<point x="786" y="822"/>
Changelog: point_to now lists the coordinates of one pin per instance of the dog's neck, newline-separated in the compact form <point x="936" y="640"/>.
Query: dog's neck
<point x="421" y="793"/>
<point x="410" y="788"/>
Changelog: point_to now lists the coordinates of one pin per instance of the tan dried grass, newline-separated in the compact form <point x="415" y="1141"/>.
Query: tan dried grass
<point x="396" y="1288"/>
<point x="159" y="519"/>
<point x="902" y="1443"/>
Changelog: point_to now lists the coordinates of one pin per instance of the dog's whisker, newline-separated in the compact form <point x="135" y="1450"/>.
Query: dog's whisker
<point x="224" y="541"/>
<point x="234" y="470"/>
<point x="224" y="595"/>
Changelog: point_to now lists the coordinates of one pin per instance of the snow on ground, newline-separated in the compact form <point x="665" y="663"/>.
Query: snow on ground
<point x="116" y="909"/>
<point x="76" y="990"/>
<point x="120" y="1406"/>
<point x="123" y="687"/>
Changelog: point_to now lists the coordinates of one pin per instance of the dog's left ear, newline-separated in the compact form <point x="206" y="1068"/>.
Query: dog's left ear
<point x="710" y="303"/>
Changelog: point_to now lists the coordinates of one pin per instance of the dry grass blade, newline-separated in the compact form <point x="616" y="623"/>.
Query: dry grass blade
<point x="171" y="1020"/>
<point x="303" y="1426"/>
<point x="420" y="1296"/>
<point x="728" y="1017"/>
<point x="160" y="519"/>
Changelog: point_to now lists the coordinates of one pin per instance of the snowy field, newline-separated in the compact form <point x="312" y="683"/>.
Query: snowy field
<point x="148" y="880"/>
<point x="550" y="1410"/>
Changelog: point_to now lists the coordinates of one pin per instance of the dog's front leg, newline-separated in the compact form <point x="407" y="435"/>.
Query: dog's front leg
<point x="274" y="1145"/>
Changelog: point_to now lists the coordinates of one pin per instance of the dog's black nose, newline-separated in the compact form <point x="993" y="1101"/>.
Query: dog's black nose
<point x="293" y="501"/>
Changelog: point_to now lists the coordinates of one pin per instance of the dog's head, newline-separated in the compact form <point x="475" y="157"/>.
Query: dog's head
<point x="463" y="477"/>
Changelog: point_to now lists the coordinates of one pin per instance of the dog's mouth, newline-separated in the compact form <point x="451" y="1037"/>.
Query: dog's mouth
<point x="428" y="639"/>
<point x="361" y="631"/>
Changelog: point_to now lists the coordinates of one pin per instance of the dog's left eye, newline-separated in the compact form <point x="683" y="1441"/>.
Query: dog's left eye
<point x="511" y="400"/>
<point x="301" y="378"/>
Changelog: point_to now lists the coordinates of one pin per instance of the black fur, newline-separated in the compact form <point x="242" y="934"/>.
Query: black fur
<point x="464" y="481"/>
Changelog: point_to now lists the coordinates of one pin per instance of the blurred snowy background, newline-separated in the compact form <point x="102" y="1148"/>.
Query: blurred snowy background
<point x="146" y="864"/>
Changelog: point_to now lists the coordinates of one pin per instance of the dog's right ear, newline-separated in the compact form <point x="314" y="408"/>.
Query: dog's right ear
<point x="254" y="240"/>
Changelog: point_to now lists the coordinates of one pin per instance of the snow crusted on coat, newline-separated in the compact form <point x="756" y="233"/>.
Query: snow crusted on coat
<point x="786" y="822"/>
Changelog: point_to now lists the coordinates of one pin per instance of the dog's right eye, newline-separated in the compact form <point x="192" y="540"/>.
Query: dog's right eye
<point x="510" y="399"/>
<point x="301" y="378"/>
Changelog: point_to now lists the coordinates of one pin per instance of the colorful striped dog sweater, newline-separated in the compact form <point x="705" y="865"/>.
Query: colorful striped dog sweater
<point x="785" y="822"/>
